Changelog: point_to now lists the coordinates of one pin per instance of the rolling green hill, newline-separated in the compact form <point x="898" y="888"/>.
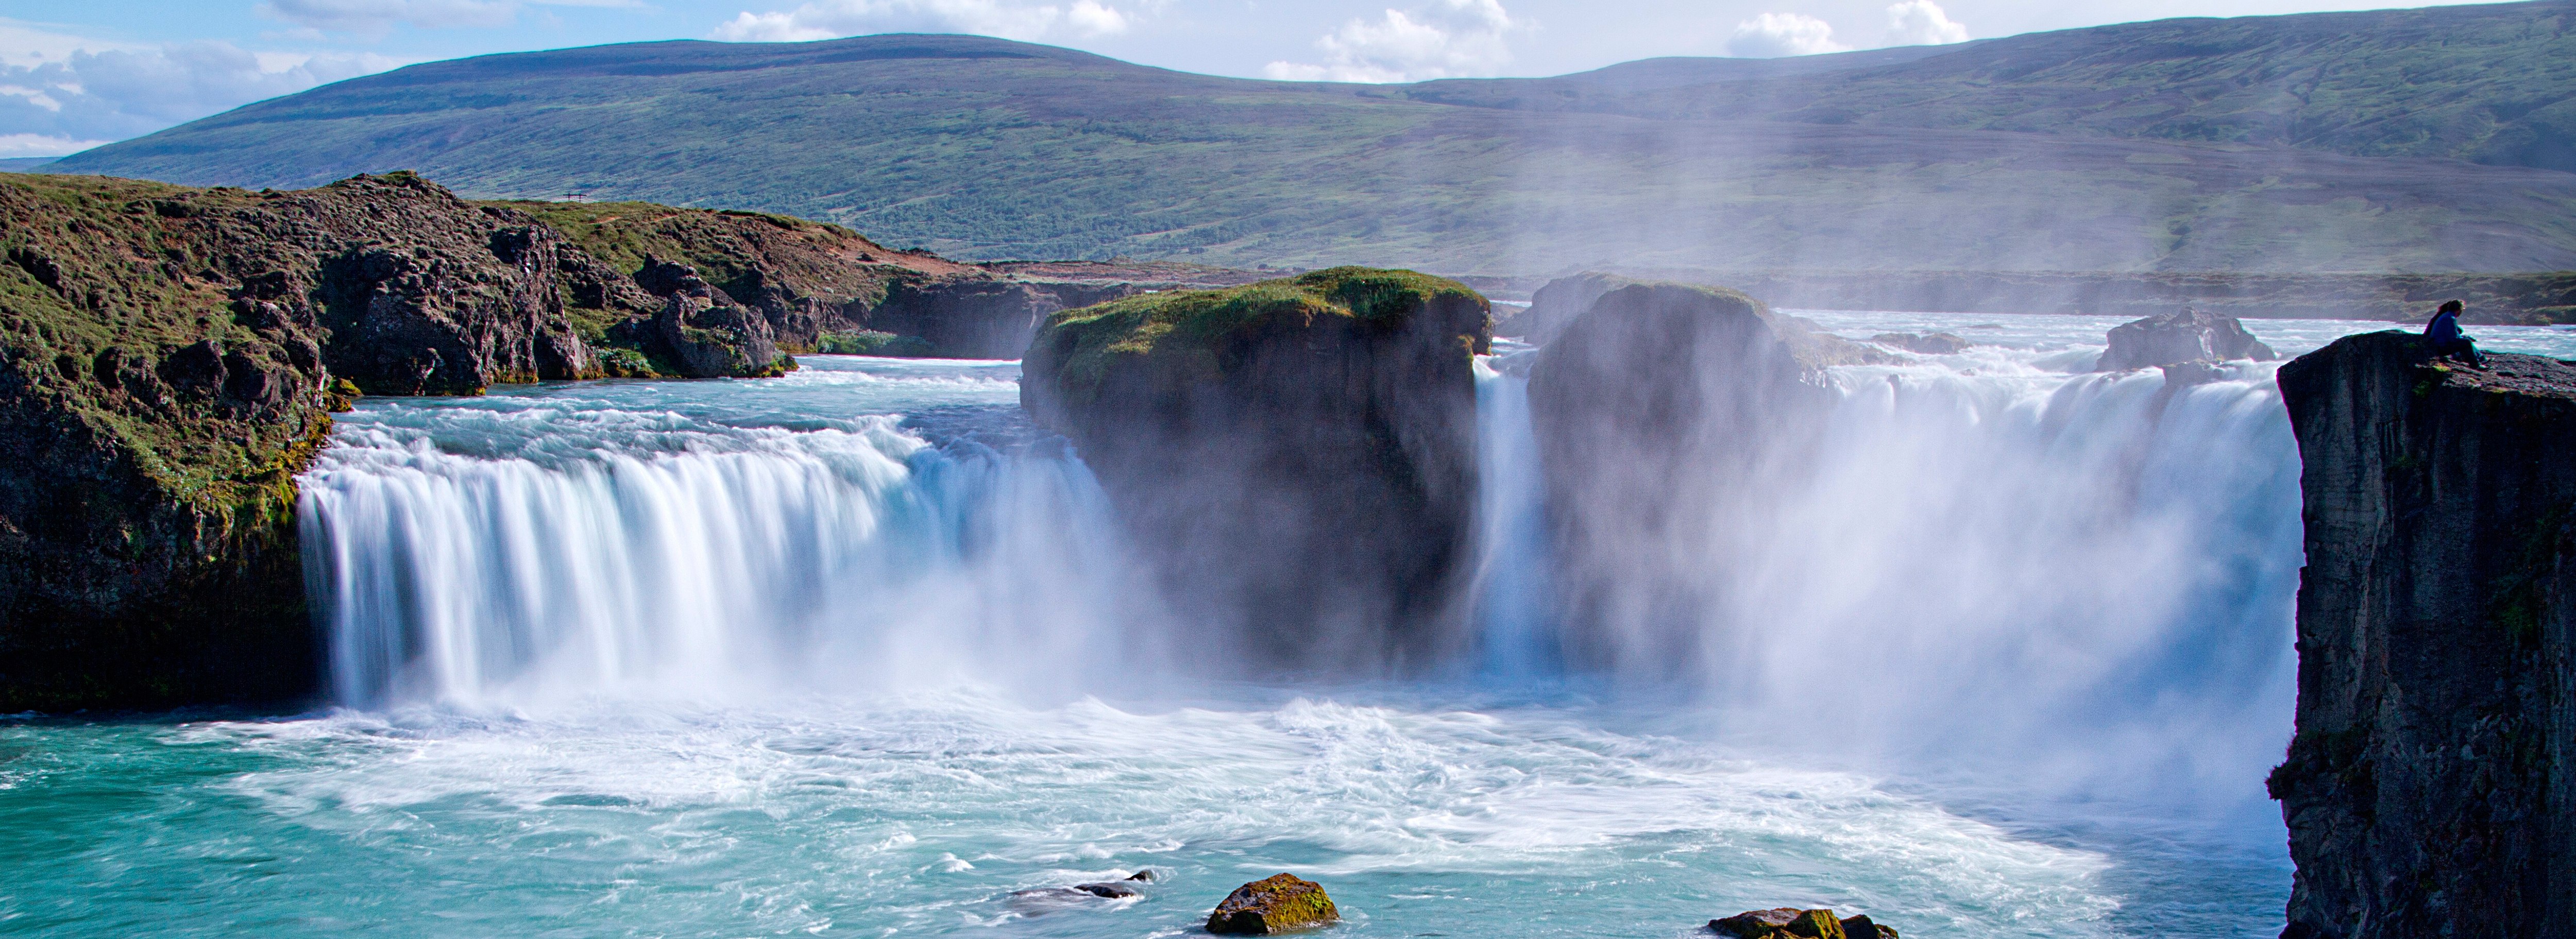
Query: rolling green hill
<point x="1923" y="158"/>
<point x="2492" y="84"/>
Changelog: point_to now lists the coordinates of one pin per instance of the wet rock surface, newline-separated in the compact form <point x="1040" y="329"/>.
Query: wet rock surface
<point x="1043" y="900"/>
<point x="1660" y="414"/>
<point x="2427" y="790"/>
<point x="1280" y="903"/>
<point x="1297" y="455"/>
<point x="1794" y="923"/>
<point x="2186" y="336"/>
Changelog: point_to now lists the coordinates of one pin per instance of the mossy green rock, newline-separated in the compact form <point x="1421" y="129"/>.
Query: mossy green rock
<point x="1794" y="923"/>
<point x="1280" y="903"/>
<point x="1297" y="456"/>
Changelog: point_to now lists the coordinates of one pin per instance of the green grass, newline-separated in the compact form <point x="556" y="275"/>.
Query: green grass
<point x="2114" y="149"/>
<point x="1186" y="328"/>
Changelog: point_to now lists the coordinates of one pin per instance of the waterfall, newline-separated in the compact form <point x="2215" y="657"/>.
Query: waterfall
<point x="554" y="553"/>
<point x="2084" y="576"/>
<point x="1516" y="640"/>
<point x="1990" y="558"/>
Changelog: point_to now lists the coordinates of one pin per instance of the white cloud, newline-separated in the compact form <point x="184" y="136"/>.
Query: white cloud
<point x="1448" y="39"/>
<point x="84" y="93"/>
<point x="1922" y="23"/>
<point x="40" y="145"/>
<point x="1009" y="19"/>
<point x="375" y="18"/>
<point x="1772" y="35"/>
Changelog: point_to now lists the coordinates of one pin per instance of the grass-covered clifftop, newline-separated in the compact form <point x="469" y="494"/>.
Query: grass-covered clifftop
<point x="2304" y="143"/>
<point x="1186" y="335"/>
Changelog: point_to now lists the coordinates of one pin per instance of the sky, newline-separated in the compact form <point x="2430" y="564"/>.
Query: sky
<point x="74" y="75"/>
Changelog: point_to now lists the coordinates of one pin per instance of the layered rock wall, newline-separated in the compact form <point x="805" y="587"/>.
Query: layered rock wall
<point x="2431" y="787"/>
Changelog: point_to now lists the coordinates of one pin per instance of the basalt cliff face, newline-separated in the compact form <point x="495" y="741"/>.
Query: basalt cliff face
<point x="2431" y="788"/>
<point x="170" y="356"/>
<point x="1296" y="455"/>
<point x="1662" y="412"/>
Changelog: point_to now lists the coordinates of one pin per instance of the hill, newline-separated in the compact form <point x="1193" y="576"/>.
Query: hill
<point x="2492" y="84"/>
<point x="1917" y="158"/>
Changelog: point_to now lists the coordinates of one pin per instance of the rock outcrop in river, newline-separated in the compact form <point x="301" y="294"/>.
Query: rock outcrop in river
<point x="1663" y="414"/>
<point x="1298" y="455"/>
<point x="2185" y="336"/>
<point x="2429" y="789"/>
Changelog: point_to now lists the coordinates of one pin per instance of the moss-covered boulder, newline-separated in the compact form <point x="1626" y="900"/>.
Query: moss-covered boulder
<point x="1297" y="455"/>
<point x="1793" y="923"/>
<point x="1277" y="904"/>
<point x="1666" y="415"/>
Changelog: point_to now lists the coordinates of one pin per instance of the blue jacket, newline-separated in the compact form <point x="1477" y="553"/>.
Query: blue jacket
<point x="2443" y="330"/>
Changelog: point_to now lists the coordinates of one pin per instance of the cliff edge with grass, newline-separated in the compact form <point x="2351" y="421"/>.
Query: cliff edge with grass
<point x="1297" y="456"/>
<point x="2431" y="787"/>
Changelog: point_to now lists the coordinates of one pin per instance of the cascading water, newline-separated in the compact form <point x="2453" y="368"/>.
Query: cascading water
<point x="1994" y="560"/>
<point x="518" y="551"/>
<point x="726" y="658"/>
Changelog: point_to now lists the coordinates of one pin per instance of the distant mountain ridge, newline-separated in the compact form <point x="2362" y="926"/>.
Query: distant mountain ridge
<point x="2320" y="142"/>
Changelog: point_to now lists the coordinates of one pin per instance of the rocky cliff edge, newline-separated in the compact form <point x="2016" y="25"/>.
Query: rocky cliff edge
<point x="2431" y="787"/>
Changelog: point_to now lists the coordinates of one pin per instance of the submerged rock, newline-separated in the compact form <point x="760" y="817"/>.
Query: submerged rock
<point x="2174" y="338"/>
<point x="1042" y="900"/>
<point x="1298" y="455"/>
<point x="1281" y="903"/>
<point x="1793" y="923"/>
<point x="1664" y="415"/>
<point x="2427" y="790"/>
<point x="1923" y="343"/>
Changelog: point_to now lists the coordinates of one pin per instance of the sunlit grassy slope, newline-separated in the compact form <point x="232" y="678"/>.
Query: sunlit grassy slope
<point x="1912" y="158"/>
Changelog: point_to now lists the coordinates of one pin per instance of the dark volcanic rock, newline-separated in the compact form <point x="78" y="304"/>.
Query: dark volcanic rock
<point x="1281" y="903"/>
<point x="2429" y="788"/>
<point x="1297" y="455"/>
<point x="1559" y="303"/>
<point x="2173" y="338"/>
<point x="1662" y="415"/>
<point x="1793" y="923"/>
<point x="1043" y="900"/>
<point x="1923" y="343"/>
<point x="702" y="329"/>
<point x="981" y="317"/>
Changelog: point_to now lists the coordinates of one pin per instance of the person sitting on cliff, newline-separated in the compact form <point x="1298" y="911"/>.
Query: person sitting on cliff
<point x="2444" y="336"/>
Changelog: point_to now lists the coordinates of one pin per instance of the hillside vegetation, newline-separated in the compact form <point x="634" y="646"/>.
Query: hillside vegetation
<point x="2305" y="143"/>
